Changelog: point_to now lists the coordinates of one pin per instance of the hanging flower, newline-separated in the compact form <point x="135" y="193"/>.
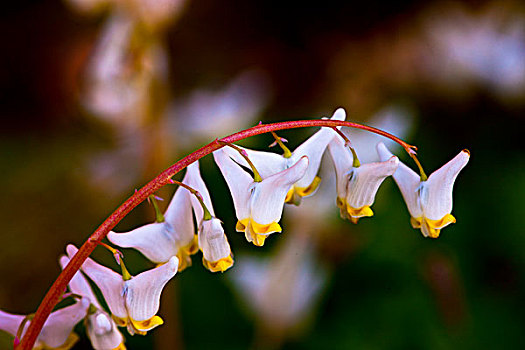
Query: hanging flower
<point x="57" y="332"/>
<point x="429" y="202"/>
<point x="357" y="184"/>
<point x="268" y="163"/>
<point x="175" y="236"/>
<point x="100" y="328"/>
<point x="134" y="302"/>
<point x="258" y="205"/>
<point x="216" y="252"/>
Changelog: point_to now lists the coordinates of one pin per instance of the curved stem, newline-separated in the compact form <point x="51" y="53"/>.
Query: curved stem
<point x="164" y="178"/>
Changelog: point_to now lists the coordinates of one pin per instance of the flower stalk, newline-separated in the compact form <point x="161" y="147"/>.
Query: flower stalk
<point x="56" y="290"/>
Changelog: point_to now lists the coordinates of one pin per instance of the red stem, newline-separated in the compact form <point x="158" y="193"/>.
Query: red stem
<point x="60" y="284"/>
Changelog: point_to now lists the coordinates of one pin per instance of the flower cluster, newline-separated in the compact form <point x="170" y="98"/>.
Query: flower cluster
<point x="259" y="197"/>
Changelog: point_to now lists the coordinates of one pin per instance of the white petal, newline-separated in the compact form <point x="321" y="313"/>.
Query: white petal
<point x="9" y="322"/>
<point x="314" y="148"/>
<point x="266" y="163"/>
<point x="194" y="179"/>
<point x="79" y="285"/>
<point x="158" y="242"/>
<point x="213" y="241"/>
<point x="103" y="332"/>
<point x="143" y="291"/>
<point x="343" y="161"/>
<point x="179" y="217"/>
<point x="365" y="182"/>
<point x="238" y="180"/>
<point x="436" y="197"/>
<point x="407" y="181"/>
<point x="108" y="281"/>
<point x="60" y="323"/>
<point x="268" y="196"/>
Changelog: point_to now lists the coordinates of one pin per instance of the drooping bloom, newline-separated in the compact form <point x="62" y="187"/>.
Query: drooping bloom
<point x="57" y="332"/>
<point x="357" y="185"/>
<point x="100" y="327"/>
<point x="282" y="290"/>
<point x="429" y="202"/>
<point x="216" y="252"/>
<point x="161" y="240"/>
<point x="258" y="205"/>
<point x="135" y="302"/>
<point x="268" y="163"/>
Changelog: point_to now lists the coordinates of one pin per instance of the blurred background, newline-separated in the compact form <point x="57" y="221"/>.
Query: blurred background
<point x="99" y="96"/>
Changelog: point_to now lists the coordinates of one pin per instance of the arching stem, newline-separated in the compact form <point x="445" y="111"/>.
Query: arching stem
<point x="164" y="178"/>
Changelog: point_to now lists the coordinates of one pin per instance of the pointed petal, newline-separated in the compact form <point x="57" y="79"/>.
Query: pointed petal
<point x="157" y="242"/>
<point x="179" y="218"/>
<point x="9" y="323"/>
<point x="103" y="332"/>
<point x="60" y="323"/>
<point x="436" y="195"/>
<point x="108" y="281"/>
<point x="343" y="161"/>
<point x="365" y="182"/>
<point x="266" y="163"/>
<point x="238" y="180"/>
<point x="268" y="196"/>
<point x="143" y="292"/>
<point x="79" y="284"/>
<point x="407" y="181"/>
<point x="213" y="242"/>
<point x="194" y="179"/>
<point x="314" y="148"/>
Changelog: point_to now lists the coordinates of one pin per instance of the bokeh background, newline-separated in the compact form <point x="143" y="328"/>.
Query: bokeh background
<point x="99" y="96"/>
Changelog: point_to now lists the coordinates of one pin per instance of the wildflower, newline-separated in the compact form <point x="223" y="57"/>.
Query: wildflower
<point x="100" y="328"/>
<point x="57" y="332"/>
<point x="268" y="163"/>
<point x="133" y="301"/>
<point x="216" y="252"/>
<point x="428" y="201"/>
<point x="258" y="205"/>
<point x="357" y="184"/>
<point x="159" y="241"/>
<point x="282" y="290"/>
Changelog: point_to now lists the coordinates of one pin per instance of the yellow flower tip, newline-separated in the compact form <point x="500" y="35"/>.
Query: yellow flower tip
<point x="121" y="346"/>
<point x="147" y="325"/>
<point x="121" y="322"/>
<point x="306" y="191"/>
<point x="265" y="229"/>
<point x="193" y="246"/>
<point x="257" y="232"/>
<point x="341" y="203"/>
<point x="433" y="227"/>
<point x="466" y="151"/>
<point x="354" y="214"/>
<point x="184" y="260"/>
<point x="415" y="222"/>
<point x="219" y="265"/>
<point x="289" y="196"/>
<point x="258" y="240"/>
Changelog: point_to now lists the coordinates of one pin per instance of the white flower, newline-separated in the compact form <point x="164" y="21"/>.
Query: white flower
<point x="100" y="328"/>
<point x="282" y="291"/>
<point x="429" y="202"/>
<point x="135" y="302"/>
<point x="57" y="332"/>
<point x="162" y="240"/>
<point x="268" y="163"/>
<point x="216" y="252"/>
<point x="357" y="186"/>
<point x="258" y="205"/>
